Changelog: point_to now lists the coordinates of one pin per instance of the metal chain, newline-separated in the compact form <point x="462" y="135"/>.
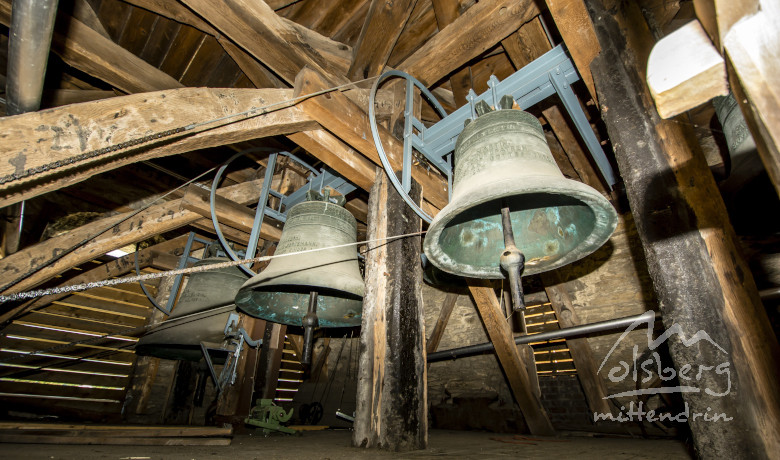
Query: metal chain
<point x="87" y="156"/>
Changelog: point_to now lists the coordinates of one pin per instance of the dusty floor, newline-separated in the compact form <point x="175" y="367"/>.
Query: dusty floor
<point x="336" y="445"/>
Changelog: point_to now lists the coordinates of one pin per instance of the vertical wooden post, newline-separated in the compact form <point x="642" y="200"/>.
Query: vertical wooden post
<point x="701" y="279"/>
<point x="501" y="335"/>
<point x="392" y="410"/>
<point x="236" y="400"/>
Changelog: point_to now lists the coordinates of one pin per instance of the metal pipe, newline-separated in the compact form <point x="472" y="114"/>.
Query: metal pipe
<point x="585" y="329"/>
<point x="32" y="26"/>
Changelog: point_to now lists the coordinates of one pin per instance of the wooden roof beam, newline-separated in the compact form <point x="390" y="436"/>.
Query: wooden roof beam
<point x="480" y="28"/>
<point x="381" y="29"/>
<point x="35" y="139"/>
<point x="347" y="120"/>
<point x="284" y="46"/>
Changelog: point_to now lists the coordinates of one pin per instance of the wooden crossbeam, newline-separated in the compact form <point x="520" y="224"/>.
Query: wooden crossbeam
<point x="27" y="268"/>
<point x="39" y="138"/>
<point x="446" y="12"/>
<point x="509" y="356"/>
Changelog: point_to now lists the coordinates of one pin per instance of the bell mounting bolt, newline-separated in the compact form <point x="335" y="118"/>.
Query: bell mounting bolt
<point x="512" y="260"/>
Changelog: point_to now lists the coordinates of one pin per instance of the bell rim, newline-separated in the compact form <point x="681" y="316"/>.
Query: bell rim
<point x="603" y="210"/>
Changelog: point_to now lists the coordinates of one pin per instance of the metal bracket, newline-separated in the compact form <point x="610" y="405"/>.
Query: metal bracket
<point x="552" y="73"/>
<point x="237" y="337"/>
<point x="321" y="179"/>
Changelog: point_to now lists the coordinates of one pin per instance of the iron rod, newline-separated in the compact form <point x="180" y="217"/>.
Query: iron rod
<point x="568" y="332"/>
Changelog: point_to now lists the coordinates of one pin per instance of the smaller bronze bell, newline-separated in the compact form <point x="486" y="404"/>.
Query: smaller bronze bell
<point x="281" y="293"/>
<point x="199" y="316"/>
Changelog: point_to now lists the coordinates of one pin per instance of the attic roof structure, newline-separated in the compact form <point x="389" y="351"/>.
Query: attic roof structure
<point x="141" y="136"/>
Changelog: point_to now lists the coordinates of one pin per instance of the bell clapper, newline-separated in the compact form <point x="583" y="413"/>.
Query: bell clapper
<point x="309" y="322"/>
<point x="512" y="261"/>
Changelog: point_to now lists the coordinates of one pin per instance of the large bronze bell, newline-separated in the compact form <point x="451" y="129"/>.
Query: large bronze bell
<point x="281" y="293"/>
<point x="199" y="316"/>
<point x="502" y="160"/>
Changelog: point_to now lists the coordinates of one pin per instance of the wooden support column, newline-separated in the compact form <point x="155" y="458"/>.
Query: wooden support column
<point x="587" y="369"/>
<point x="701" y="280"/>
<point x="392" y="409"/>
<point x="236" y="400"/>
<point x="178" y="409"/>
<point x="501" y="335"/>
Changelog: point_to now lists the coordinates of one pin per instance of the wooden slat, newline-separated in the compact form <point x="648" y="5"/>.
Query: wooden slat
<point x="381" y="29"/>
<point x="175" y="11"/>
<point x="203" y="62"/>
<point x="441" y="323"/>
<point x="134" y="38"/>
<point x="178" y="57"/>
<point x="59" y="319"/>
<point x="54" y="377"/>
<point x="42" y="389"/>
<point x="75" y="368"/>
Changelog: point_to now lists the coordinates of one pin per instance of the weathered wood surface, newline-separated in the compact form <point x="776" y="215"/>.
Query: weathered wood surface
<point x="441" y="323"/>
<point x="751" y="48"/>
<point x="277" y="42"/>
<point x="228" y="212"/>
<point x="701" y="280"/>
<point x="501" y="335"/>
<point x="481" y="27"/>
<point x="25" y="269"/>
<point x="114" y="268"/>
<point x="341" y="157"/>
<point x="446" y="12"/>
<point x="39" y="138"/>
<point x="381" y="29"/>
<point x="392" y="409"/>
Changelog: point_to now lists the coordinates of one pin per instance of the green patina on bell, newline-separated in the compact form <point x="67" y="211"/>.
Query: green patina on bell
<point x="280" y="293"/>
<point x="503" y="157"/>
<point x="199" y="316"/>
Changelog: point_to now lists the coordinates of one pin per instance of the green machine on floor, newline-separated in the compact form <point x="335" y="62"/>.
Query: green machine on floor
<point x="268" y="416"/>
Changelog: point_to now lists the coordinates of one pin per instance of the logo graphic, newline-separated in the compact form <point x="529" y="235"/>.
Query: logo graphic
<point x="645" y="367"/>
